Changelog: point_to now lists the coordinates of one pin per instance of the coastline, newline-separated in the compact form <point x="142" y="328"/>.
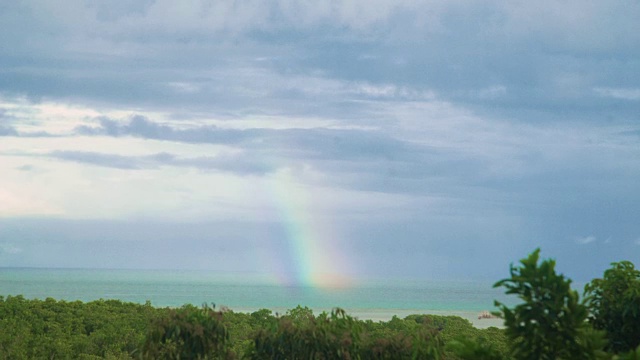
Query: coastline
<point x="387" y="314"/>
<point x="373" y="300"/>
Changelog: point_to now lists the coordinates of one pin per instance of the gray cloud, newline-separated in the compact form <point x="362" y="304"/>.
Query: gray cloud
<point x="8" y="128"/>
<point x="318" y="143"/>
<point x="353" y="159"/>
<point x="200" y="59"/>
<point x="238" y="164"/>
<point x="8" y="131"/>
<point x="107" y="160"/>
<point x="538" y="140"/>
<point x="139" y="126"/>
<point x="331" y="150"/>
<point x="379" y="161"/>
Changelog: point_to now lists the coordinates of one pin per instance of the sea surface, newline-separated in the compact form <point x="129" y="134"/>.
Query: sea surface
<point x="376" y="300"/>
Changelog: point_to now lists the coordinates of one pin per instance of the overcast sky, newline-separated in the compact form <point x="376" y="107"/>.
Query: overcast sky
<point x="360" y="138"/>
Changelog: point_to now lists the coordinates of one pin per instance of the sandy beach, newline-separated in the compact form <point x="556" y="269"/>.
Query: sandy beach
<point x="387" y="314"/>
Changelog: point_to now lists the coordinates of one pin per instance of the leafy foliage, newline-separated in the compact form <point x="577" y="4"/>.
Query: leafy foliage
<point x="109" y="329"/>
<point x="38" y="329"/>
<point x="551" y="322"/>
<point x="629" y="355"/>
<point x="300" y="335"/>
<point x="467" y="349"/>
<point x="188" y="333"/>
<point x="614" y="302"/>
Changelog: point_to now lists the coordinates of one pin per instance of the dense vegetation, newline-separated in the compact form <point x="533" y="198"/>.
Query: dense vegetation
<point x="50" y="329"/>
<point x="551" y="322"/>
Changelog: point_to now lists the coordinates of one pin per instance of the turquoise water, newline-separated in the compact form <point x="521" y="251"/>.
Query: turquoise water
<point x="245" y="292"/>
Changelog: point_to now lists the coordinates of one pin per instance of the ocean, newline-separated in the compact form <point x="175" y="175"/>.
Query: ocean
<point x="373" y="299"/>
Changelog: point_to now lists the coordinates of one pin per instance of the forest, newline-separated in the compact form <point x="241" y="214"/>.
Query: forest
<point x="550" y="321"/>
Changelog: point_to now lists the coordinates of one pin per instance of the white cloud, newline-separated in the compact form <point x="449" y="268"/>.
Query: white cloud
<point x="585" y="240"/>
<point x="492" y="92"/>
<point x="184" y="87"/>
<point x="6" y="248"/>
<point x="632" y="94"/>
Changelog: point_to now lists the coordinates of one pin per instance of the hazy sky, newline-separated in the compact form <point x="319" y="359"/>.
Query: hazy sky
<point x="361" y="138"/>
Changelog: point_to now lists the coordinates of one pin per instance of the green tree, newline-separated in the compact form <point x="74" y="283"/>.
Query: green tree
<point x="614" y="302"/>
<point x="468" y="349"/>
<point x="630" y="355"/>
<point x="550" y="323"/>
<point x="188" y="333"/>
<point x="44" y="329"/>
<point x="300" y="335"/>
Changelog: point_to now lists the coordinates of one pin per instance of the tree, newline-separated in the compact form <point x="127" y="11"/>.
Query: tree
<point x="469" y="349"/>
<point x="188" y="333"/>
<point x="551" y="322"/>
<point x="614" y="302"/>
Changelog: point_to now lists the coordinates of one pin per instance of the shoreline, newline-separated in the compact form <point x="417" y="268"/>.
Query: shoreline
<point x="387" y="314"/>
<point x="373" y="314"/>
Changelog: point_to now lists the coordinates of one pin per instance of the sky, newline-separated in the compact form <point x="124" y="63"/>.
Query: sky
<point x="320" y="142"/>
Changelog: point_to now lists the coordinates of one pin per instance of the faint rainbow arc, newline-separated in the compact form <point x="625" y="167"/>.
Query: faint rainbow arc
<point x="316" y="261"/>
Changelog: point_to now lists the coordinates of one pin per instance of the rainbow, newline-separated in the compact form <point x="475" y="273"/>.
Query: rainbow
<point x="315" y="258"/>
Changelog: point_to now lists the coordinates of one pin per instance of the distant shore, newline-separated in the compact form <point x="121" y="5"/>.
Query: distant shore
<point x="388" y="314"/>
<point x="377" y="300"/>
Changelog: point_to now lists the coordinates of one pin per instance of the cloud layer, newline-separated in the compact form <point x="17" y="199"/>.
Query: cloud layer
<point x="421" y="131"/>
